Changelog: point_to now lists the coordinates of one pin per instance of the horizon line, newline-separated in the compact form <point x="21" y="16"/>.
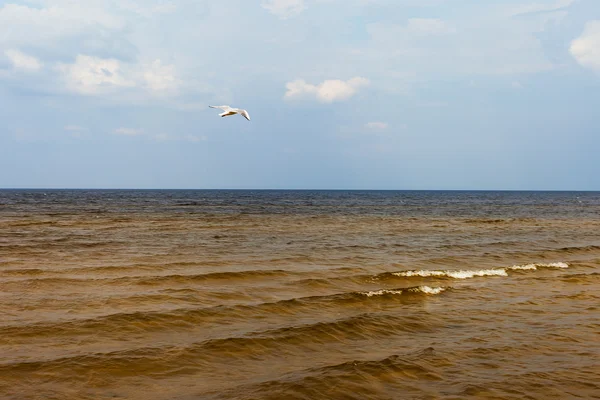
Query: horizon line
<point x="306" y="189"/>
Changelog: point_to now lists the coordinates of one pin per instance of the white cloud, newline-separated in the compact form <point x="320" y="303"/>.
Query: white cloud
<point x="586" y="48"/>
<point x="95" y="76"/>
<point x="23" y="61"/>
<point x="129" y="131"/>
<point x="160" y="78"/>
<point x="92" y="75"/>
<point x="42" y="26"/>
<point x="284" y="8"/>
<point x="376" y="125"/>
<point x="327" y="91"/>
<point x="432" y="47"/>
<point x="427" y="26"/>
<point x="93" y="48"/>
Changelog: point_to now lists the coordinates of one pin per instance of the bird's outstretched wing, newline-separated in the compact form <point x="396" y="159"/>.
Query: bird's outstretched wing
<point x="224" y="108"/>
<point x="245" y="114"/>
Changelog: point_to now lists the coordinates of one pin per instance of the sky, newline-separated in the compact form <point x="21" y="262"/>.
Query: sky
<point x="342" y="94"/>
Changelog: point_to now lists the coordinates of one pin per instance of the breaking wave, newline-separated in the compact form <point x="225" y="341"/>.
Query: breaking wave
<point x="467" y="274"/>
<point x="418" y="289"/>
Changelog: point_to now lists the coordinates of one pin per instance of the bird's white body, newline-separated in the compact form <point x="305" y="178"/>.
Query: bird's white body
<point x="227" y="111"/>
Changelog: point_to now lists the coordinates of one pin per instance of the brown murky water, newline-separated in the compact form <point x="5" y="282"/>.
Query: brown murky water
<point x="299" y="295"/>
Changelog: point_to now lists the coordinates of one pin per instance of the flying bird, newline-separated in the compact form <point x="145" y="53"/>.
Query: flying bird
<point x="227" y="111"/>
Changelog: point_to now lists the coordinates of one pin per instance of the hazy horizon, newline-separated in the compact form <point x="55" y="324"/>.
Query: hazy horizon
<point x="300" y="189"/>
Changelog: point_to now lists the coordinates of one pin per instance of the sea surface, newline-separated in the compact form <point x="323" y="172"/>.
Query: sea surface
<point x="144" y="294"/>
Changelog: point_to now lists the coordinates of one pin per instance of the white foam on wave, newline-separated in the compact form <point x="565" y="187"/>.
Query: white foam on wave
<point x="427" y="289"/>
<point x="381" y="292"/>
<point x="523" y="267"/>
<point x="466" y="274"/>
<point x="419" y="289"/>
<point x="535" y="266"/>
<point x="459" y="274"/>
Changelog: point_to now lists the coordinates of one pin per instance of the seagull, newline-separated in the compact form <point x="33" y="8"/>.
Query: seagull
<point x="227" y="111"/>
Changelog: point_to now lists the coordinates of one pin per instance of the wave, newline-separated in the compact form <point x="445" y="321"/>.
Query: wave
<point x="140" y="321"/>
<point x="359" y="327"/>
<point x="23" y="271"/>
<point x="467" y="274"/>
<point x="230" y="275"/>
<point x="494" y="221"/>
<point x="536" y="266"/>
<point x="133" y="275"/>
<point x="351" y="379"/>
<point x="163" y="357"/>
<point x="417" y="290"/>
<point x="575" y="249"/>
<point x="457" y="274"/>
<point x="150" y="279"/>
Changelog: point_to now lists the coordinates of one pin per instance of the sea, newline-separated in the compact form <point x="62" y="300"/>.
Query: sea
<point x="268" y="294"/>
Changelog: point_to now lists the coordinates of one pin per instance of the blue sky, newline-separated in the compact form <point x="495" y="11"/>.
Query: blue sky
<point x="343" y="94"/>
